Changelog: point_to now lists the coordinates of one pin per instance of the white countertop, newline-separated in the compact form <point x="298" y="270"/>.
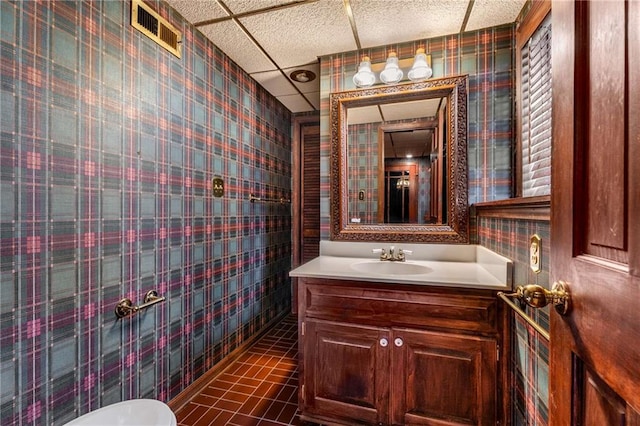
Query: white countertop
<point x="469" y="266"/>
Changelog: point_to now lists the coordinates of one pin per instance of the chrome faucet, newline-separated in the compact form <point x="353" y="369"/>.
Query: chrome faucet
<point x="392" y="256"/>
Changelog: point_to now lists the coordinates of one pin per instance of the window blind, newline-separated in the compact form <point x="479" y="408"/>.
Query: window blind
<point x="536" y="112"/>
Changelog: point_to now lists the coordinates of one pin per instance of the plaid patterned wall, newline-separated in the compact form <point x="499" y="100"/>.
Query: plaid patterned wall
<point x="363" y="174"/>
<point x="487" y="57"/>
<point x="108" y="147"/>
<point x="530" y="351"/>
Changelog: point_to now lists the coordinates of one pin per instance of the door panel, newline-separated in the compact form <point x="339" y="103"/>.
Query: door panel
<point x="601" y="405"/>
<point x="595" y="348"/>
<point x="345" y="371"/>
<point x="606" y="135"/>
<point x="443" y="379"/>
<point x="310" y="192"/>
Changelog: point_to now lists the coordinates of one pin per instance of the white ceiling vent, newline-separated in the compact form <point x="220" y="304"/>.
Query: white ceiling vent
<point x="148" y="22"/>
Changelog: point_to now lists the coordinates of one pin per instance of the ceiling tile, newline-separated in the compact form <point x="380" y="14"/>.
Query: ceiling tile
<point x="198" y="11"/>
<point x="365" y="114"/>
<point x="380" y="24"/>
<point x="314" y="98"/>
<point x="275" y="83"/>
<point x="311" y="86"/>
<point x="410" y="109"/>
<point x="298" y="35"/>
<point x="295" y="103"/>
<point x="232" y="41"/>
<point x="240" y="6"/>
<point x="489" y="13"/>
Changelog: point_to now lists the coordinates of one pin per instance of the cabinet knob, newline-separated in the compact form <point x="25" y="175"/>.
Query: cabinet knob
<point x="384" y="342"/>
<point x="398" y="342"/>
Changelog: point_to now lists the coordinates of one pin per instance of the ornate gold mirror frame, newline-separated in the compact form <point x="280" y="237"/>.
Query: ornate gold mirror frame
<point x="456" y="228"/>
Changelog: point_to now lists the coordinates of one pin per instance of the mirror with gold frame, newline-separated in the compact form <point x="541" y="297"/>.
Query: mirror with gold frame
<point x="451" y="124"/>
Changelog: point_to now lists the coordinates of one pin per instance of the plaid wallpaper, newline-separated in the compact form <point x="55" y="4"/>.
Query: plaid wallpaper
<point x="530" y="351"/>
<point x="487" y="57"/>
<point x="108" y="147"/>
<point x="363" y="174"/>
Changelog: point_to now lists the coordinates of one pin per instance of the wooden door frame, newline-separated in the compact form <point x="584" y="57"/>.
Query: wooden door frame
<point x="298" y="123"/>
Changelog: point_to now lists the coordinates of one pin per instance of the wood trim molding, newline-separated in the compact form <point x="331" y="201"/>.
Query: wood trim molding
<point x="525" y="208"/>
<point x="536" y="14"/>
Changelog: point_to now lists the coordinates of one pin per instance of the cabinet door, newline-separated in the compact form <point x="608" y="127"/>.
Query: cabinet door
<point x="346" y="372"/>
<point x="443" y="379"/>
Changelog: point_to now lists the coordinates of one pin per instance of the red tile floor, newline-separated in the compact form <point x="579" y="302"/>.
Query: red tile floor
<point x="259" y="388"/>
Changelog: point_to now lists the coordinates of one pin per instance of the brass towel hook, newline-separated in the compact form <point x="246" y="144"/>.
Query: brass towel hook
<point x="537" y="296"/>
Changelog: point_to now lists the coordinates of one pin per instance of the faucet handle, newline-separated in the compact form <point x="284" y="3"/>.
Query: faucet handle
<point x="406" y="251"/>
<point x="383" y="254"/>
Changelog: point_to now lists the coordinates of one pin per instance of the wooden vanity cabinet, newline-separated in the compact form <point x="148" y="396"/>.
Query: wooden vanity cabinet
<point x="387" y="354"/>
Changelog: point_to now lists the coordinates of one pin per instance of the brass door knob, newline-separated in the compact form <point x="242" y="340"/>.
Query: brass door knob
<point x="537" y="296"/>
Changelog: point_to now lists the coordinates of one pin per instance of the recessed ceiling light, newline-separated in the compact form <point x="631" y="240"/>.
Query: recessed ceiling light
<point x="302" y="76"/>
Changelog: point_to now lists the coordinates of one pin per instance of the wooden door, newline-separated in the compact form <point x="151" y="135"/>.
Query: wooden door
<point x="310" y="244"/>
<point x="443" y="379"/>
<point x="400" y="196"/>
<point x="345" y="373"/>
<point x="595" y="224"/>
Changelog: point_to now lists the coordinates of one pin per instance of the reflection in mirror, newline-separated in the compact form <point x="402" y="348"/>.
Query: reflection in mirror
<point x="408" y="137"/>
<point x="399" y="162"/>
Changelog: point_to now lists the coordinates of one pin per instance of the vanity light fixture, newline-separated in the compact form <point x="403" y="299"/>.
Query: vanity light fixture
<point x="392" y="73"/>
<point x="364" y="77"/>
<point x="393" y="70"/>
<point x="420" y="69"/>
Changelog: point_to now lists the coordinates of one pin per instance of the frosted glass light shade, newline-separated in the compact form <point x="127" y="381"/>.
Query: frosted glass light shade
<point x="364" y="77"/>
<point x="391" y="73"/>
<point x="420" y="69"/>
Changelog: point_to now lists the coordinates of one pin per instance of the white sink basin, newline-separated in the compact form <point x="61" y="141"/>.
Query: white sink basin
<point x="390" y="268"/>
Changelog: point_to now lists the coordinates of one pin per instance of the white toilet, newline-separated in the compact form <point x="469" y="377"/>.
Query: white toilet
<point x="133" y="412"/>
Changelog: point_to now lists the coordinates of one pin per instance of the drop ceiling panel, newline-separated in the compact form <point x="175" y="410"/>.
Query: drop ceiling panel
<point x="489" y="13"/>
<point x="295" y="103"/>
<point x="384" y="22"/>
<point x="241" y="6"/>
<point x="409" y="110"/>
<point x="275" y="83"/>
<point x="231" y="40"/>
<point x="314" y="98"/>
<point x="311" y="86"/>
<point x="366" y="114"/>
<point x="298" y="35"/>
<point x="416" y="143"/>
<point x="198" y="11"/>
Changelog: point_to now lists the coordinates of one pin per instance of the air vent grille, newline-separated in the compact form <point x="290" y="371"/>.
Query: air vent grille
<point x="148" y="22"/>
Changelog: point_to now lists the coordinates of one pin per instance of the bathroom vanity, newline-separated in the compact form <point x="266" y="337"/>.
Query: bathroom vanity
<point x="414" y="342"/>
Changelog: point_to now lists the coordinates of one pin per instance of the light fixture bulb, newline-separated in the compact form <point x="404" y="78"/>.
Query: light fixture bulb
<point x="364" y="77"/>
<point x="391" y="73"/>
<point x="420" y="69"/>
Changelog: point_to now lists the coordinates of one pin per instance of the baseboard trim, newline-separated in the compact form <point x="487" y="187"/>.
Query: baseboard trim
<point x="201" y="382"/>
